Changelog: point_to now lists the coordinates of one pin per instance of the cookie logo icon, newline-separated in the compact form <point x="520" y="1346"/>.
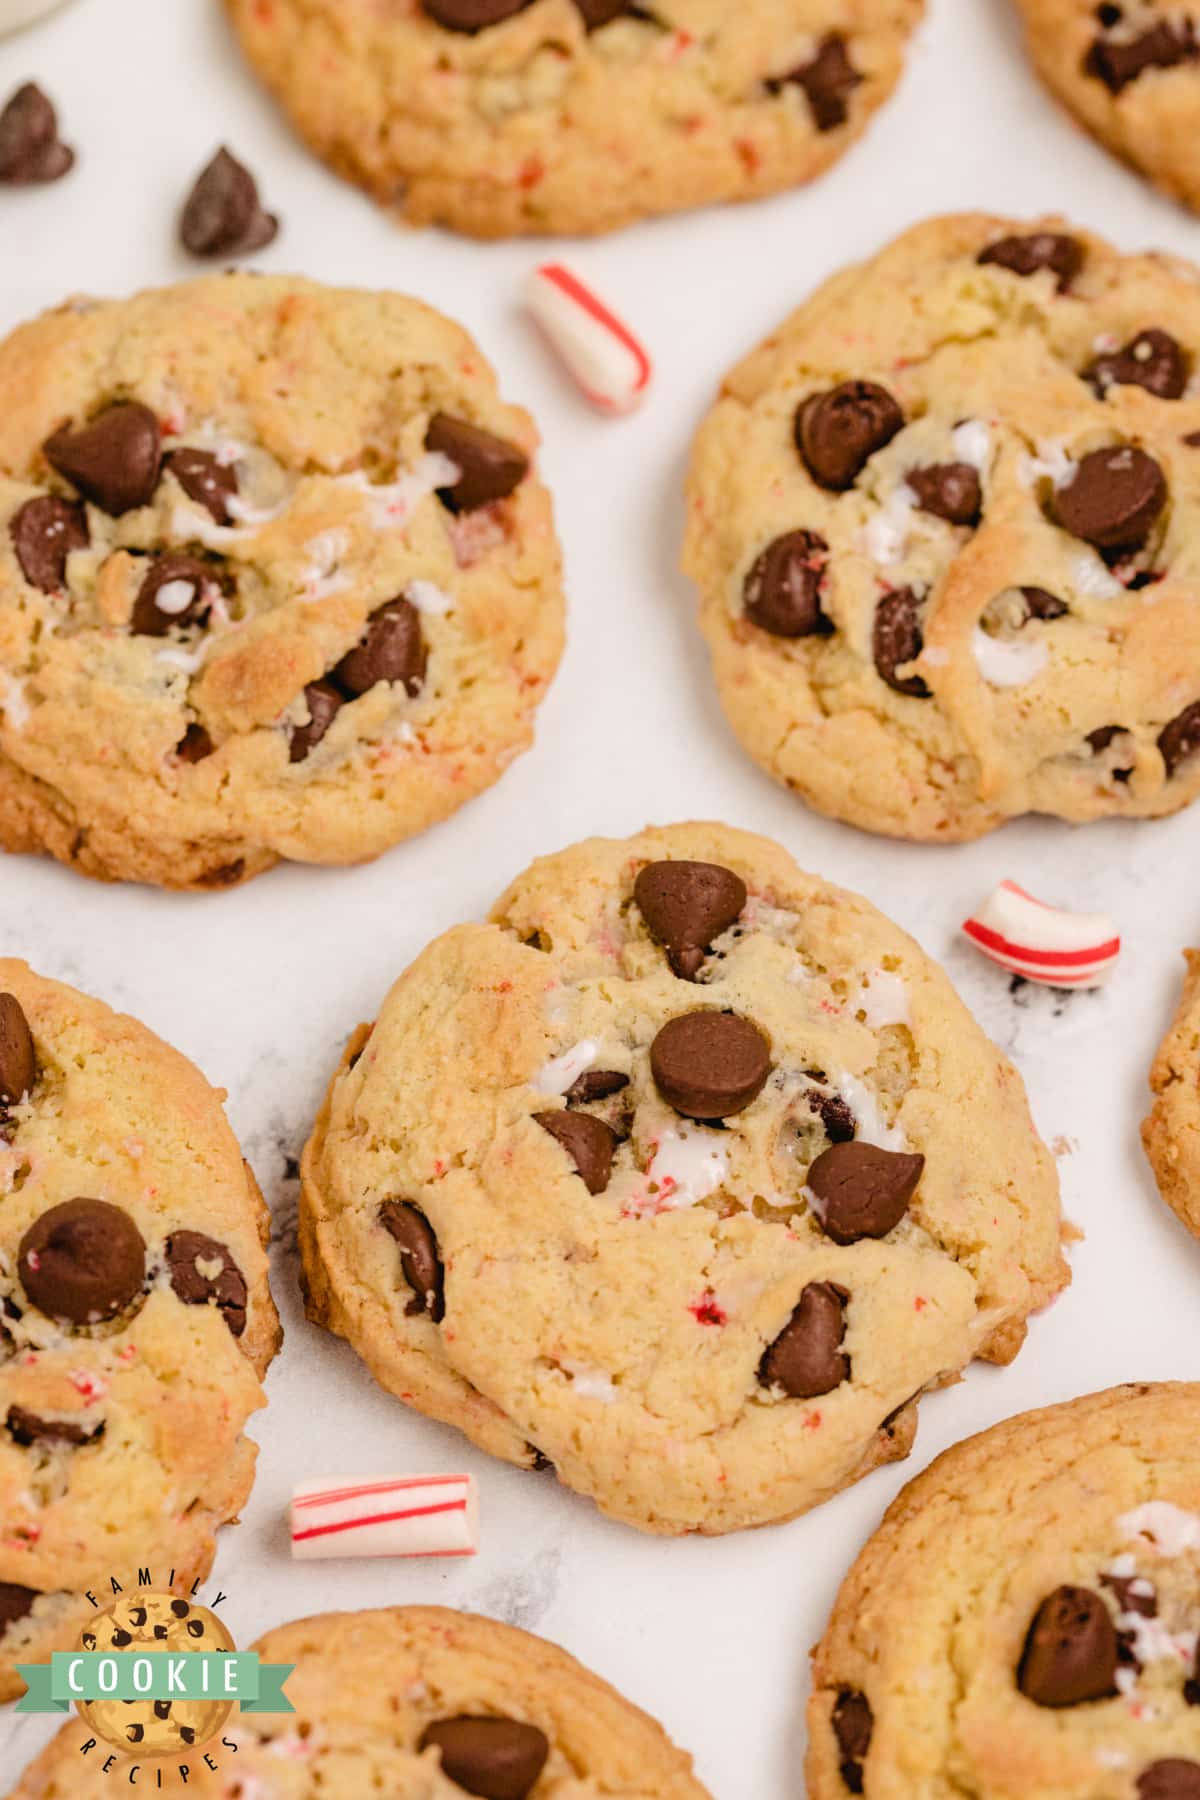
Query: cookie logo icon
<point x="149" y="1623"/>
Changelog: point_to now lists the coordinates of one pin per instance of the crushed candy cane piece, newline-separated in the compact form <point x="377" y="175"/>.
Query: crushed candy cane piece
<point x="1044" y="943"/>
<point x="601" y="353"/>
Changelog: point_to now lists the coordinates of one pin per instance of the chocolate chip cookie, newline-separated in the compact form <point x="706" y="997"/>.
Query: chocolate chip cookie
<point x="686" y="1173"/>
<point x="276" y="579"/>
<point x="1130" y="74"/>
<point x="505" y="116"/>
<point x="420" y="1703"/>
<point x="155" y="1622"/>
<point x="135" y="1316"/>
<point x="1024" y="1621"/>
<point x="1171" y="1133"/>
<point x="941" y="522"/>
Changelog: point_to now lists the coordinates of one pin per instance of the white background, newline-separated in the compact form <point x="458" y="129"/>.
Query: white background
<point x="261" y="985"/>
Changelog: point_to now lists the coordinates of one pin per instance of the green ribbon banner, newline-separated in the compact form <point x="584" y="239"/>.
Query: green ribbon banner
<point x="72" y="1675"/>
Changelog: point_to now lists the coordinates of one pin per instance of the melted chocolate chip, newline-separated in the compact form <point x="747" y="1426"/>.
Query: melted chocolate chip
<point x="489" y="467"/>
<point x="862" y="1191"/>
<point x="420" y="1263"/>
<point x="114" y="461"/>
<point x="203" y="1271"/>
<point x="949" y="491"/>
<point x="782" y="591"/>
<point x="828" y="80"/>
<point x="806" y="1359"/>
<point x="1125" y="1590"/>
<point x="324" y="702"/>
<point x="1113" y="499"/>
<point x="834" y="1114"/>
<point x="1172" y="1778"/>
<point x="686" y="905"/>
<point x="1117" y="62"/>
<point x="472" y="15"/>
<point x="195" y="745"/>
<point x="497" y="1759"/>
<point x="83" y="1261"/>
<point x="27" y="1427"/>
<point x="588" y="1141"/>
<point x="391" y="649"/>
<point x="16" y="1603"/>
<point x="44" y="532"/>
<point x="18" y="1062"/>
<point x="30" y="149"/>
<point x="223" y="216"/>
<point x="177" y="591"/>
<point x="838" y="432"/>
<point x="1070" y="1653"/>
<point x="853" y="1727"/>
<point x="1181" y="738"/>
<point x="708" y="1065"/>
<point x="596" y="1084"/>
<point x="1152" y="360"/>
<point x="205" y="479"/>
<point x="897" y="639"/>
<point x="1040" y="250"/>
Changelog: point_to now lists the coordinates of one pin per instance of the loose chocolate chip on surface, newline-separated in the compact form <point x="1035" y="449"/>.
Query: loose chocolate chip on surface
<point x="1113" y="498"/>
<point x="1181" y="738"/>
<point x="686" y="905"/>
<point x="897" y="639"/>
<point x="323" y="701"/>
<point x="1152" y="360"/>
<point x="853" y="1726"/>
<point x="44" y="531"/>
<point x="177" y="591"/>
<point x="588" y="1141"/>
<point x="205" y="479"/>
<point x="472" y="15"/>
<point x="862" y="1191"/>
<point x="806" y="1359"/>
<point x="782" y="590"/>
<point x="1042" y="605"/>
<point x="828" y="79"/>
<point x="834" y="1114"/>
<point x="420" y="1263"/>
<point x="203" y="1270"/>
<point x="391" y="649"/>
<point x="1171" y="1779"/>
<point x="497" y="1759"/>
<point x="708" y="1065"/>
<point x="838" y="432"/>
<point x="83" y="1260"/>
<point x="489" y="467"/>
<point x="16" y="1602"/>
<point x="114" y="461"/>
<point x="949" y="491"/>
<point x="1040" y="250"/>
<point x="596" y="1084"/>
<point x="222" y="216"/>
<point x="30" y="150"/>
<point x="1070" y="1653"/>
<point x="195" y="745"/>
<point x="1165" y="45"/>
<point x="18" y="1064"/>
<point x="27" y="1427"/>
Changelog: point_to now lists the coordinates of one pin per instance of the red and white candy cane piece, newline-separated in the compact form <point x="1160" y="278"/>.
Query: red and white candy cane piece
<point x="601" y="353"/>
<point x="1044" y="943"/>
<point x="412" y="1515"/>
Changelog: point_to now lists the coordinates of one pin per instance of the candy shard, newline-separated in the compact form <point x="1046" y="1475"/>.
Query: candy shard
<point x="409" y="1515"/>
<point x="601" y="353"/>
<point x="1043" y="943"/>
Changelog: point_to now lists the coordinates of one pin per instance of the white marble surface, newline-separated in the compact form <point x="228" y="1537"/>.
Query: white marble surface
<point x="260" y="986"/>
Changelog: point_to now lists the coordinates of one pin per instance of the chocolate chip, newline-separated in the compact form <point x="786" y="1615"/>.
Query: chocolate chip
<point x="806" y="1359"/>
<point x="1040" y="250"/>
<point x="323" y="701"/>
<point x="44" y="531"/>
<point x="708" y="1065"/>
<point x="1070" y="1653"/>
<point x="596" y="13"/>
<point x="828" y="80"/>
<point x="114" y="461"/>
<point x="1123" y="1588"/>
<point x="489" y="467"/>
<point x="180" y="1608"/>
<point x="853" y="1726"/>
<point x="1042" y="605"/>
<point x="195" y="1628"/>
<point x="686" y="905"/>
<point x="1192" y="440"/>
<point x="498" y="1759"/>
<point x="1164" y="46"/>
<point x="862" y="1191"/>
<point x="205" y="479"/>
<point x="596" y="1084"/>
<point x="138" y="1616"/>
<point x="588" y="1141"/>
<point x="223" y="216"/>
<point x="834" y="1114"/>
<point x="391" y="649"/>
<point x="420" y="1264"/>
<point x="1113" y="498"/>
<point x="16" y="1603"/>
<point x="194" y="745"/>
<point x="135" y="1733"/>
<point x="83" y="1260"/>
<point x="1152" y="360"/>
<point x="121" y="1638"/>
<point x="1100" y="739"/>
<point x="472" y="15"/>
<point x="838" y="432"/>
<point x="539" y="1463"/>
<point x="177" y="591"/>
<point x="18" y="1063"/>
<point x="30" y="150"/>
<point x="1181" y="738"/>
<point x="27" y="1427"/>
<point x="190" y="1256"/>
<point x="1171" y="1779"/>
<point x="897" y="639"/>
<point x="782" y="591"/>
<point x="162" y="1709"/>
<point x="949" y="491"/>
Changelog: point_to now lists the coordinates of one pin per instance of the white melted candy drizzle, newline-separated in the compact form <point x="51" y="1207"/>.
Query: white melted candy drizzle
<point x="1052" y="463"/>
<point x="864" y="1104"/>
<point x="427" y="597"/>
<point x="392" y="504"/>
<point x="1089" y="576"/>
<point x="562" y="1072"/>
<point x="323" y="576"/>
<point x="884" y="1000"/>
<point x="1007" y="662"/>
<point x="973" y="443"/>
<point x="689" y="1164"/>
<point x="885" y="535"/>
<point x="1169" y="1528"/>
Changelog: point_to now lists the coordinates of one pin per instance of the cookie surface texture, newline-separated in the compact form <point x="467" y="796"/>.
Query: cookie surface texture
<point x="1171" y="1132"/>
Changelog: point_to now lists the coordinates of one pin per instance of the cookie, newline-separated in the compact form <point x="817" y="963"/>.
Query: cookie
<point x="421" y="1703"/>
<point x="686" y="1173"/>
<point x="155" y="1623"/>
<point x="276" y="579"/>
<point x="505" y="116"/>
<point x="942" y="524"/>
<point x="1024" y="1621"/>
<point x="1171" y="1133"/>
<point x="135" y="1317"/>
<point x="1130" y="74"/>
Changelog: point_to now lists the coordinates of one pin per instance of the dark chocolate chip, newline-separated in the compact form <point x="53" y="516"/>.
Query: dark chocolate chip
<point x="114" y="461"/>
<point x="177" y="591"/>
<point x="828" y="79"/>
<point x="1152" y="360"/>
<point x="539" y="1463"/>
<point x="30" y="1428"/>
<point x="807" y="1359"/>
<point x="83" y="1260"/>
<point x="162" y="1709"/>
<point x="834" y="1114"/>
<point x="44" y="531"/>
<point x="949" y="491"/>
<point x="180" y="1608"/>
<point x="1181" y="738"/>
<point x="202" y="1270"/>
<point x="686" y="905"/>
<point x="596" y="1084"/>
<point x="18" y="1063"/>
<point x="391" y="649"/>
<point x="489" y="467"/>
<point x="1040" y="250"/>
<point x="588" y="1141"/>
<point x="472" y="15"/>
<point x="897" y="639"/>
<point x="708" y="1065"/>
<point x="1041" y="605"/>
<point x="30" y="149"/>
<point x="188" y="1732"/>
<point x="194" y="745"/>
<point x="195" y="1628"/>
<point x="323" y="701"/>
<point x="1117" y="62"/>
<point x="862" y="1191"/>
<point x="1172" y="1778"/>
<point x="223" y="216"/>
<point x="138" y="1616"/>
<point x="853" y="1726"/>
<point x="16" y="1603"/>
<point x="420" y="1263"/>
<point x="205" y="479"/>
<point x="596" y="13"/>
<point x="498" y="1759"/>
<point x="121" y="1638"/>
<point x="135" y="1733"/>
<point x="1128" y="1601"/>
<point x="838" y="432"/>
<point x="782" y="591"/>
<point x="1070" y="1653"/>
<point x="1192" y="440"/>
<point x="1113" y="498"/>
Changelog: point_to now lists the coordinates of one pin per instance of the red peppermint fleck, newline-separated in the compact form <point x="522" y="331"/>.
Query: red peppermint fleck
<point x="920" y="1303"/>
<point x="707" y="1310"/>
<point x="532" y="171"/>
<point x="813" y="1422"/>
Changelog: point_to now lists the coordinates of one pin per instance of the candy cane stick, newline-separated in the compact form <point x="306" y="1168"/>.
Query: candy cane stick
<point x="412" y="1515"/>
<point x="1043" y="943"/>
<point x="599" y="351"/>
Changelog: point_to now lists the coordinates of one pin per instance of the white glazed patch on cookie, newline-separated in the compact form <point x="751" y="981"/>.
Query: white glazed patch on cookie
<point x="885" y="535"/>
<point x="885" y="1000"/>
<point x="863" y="1102"/>
<point x="392" y="504"/>
<point x="1091" y="577"/>
<point x="973" y="443"/>
<point x="1009" y="662"/>
<point x="1170" y="1529"/>
<point x="14" y="705"/>
<point x="690" y="1163"/>
<point x="427" y="597"/>
<point x="562" y="1072"/>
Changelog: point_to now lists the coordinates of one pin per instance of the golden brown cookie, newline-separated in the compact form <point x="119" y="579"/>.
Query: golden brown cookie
<point x="1171" y="1132"/>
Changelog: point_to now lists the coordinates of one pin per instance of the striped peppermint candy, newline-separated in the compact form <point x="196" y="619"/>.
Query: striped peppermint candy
<point x="412" y="1515"/>
<point x="600" y="351"/>
<point x="1044" y="943"/>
